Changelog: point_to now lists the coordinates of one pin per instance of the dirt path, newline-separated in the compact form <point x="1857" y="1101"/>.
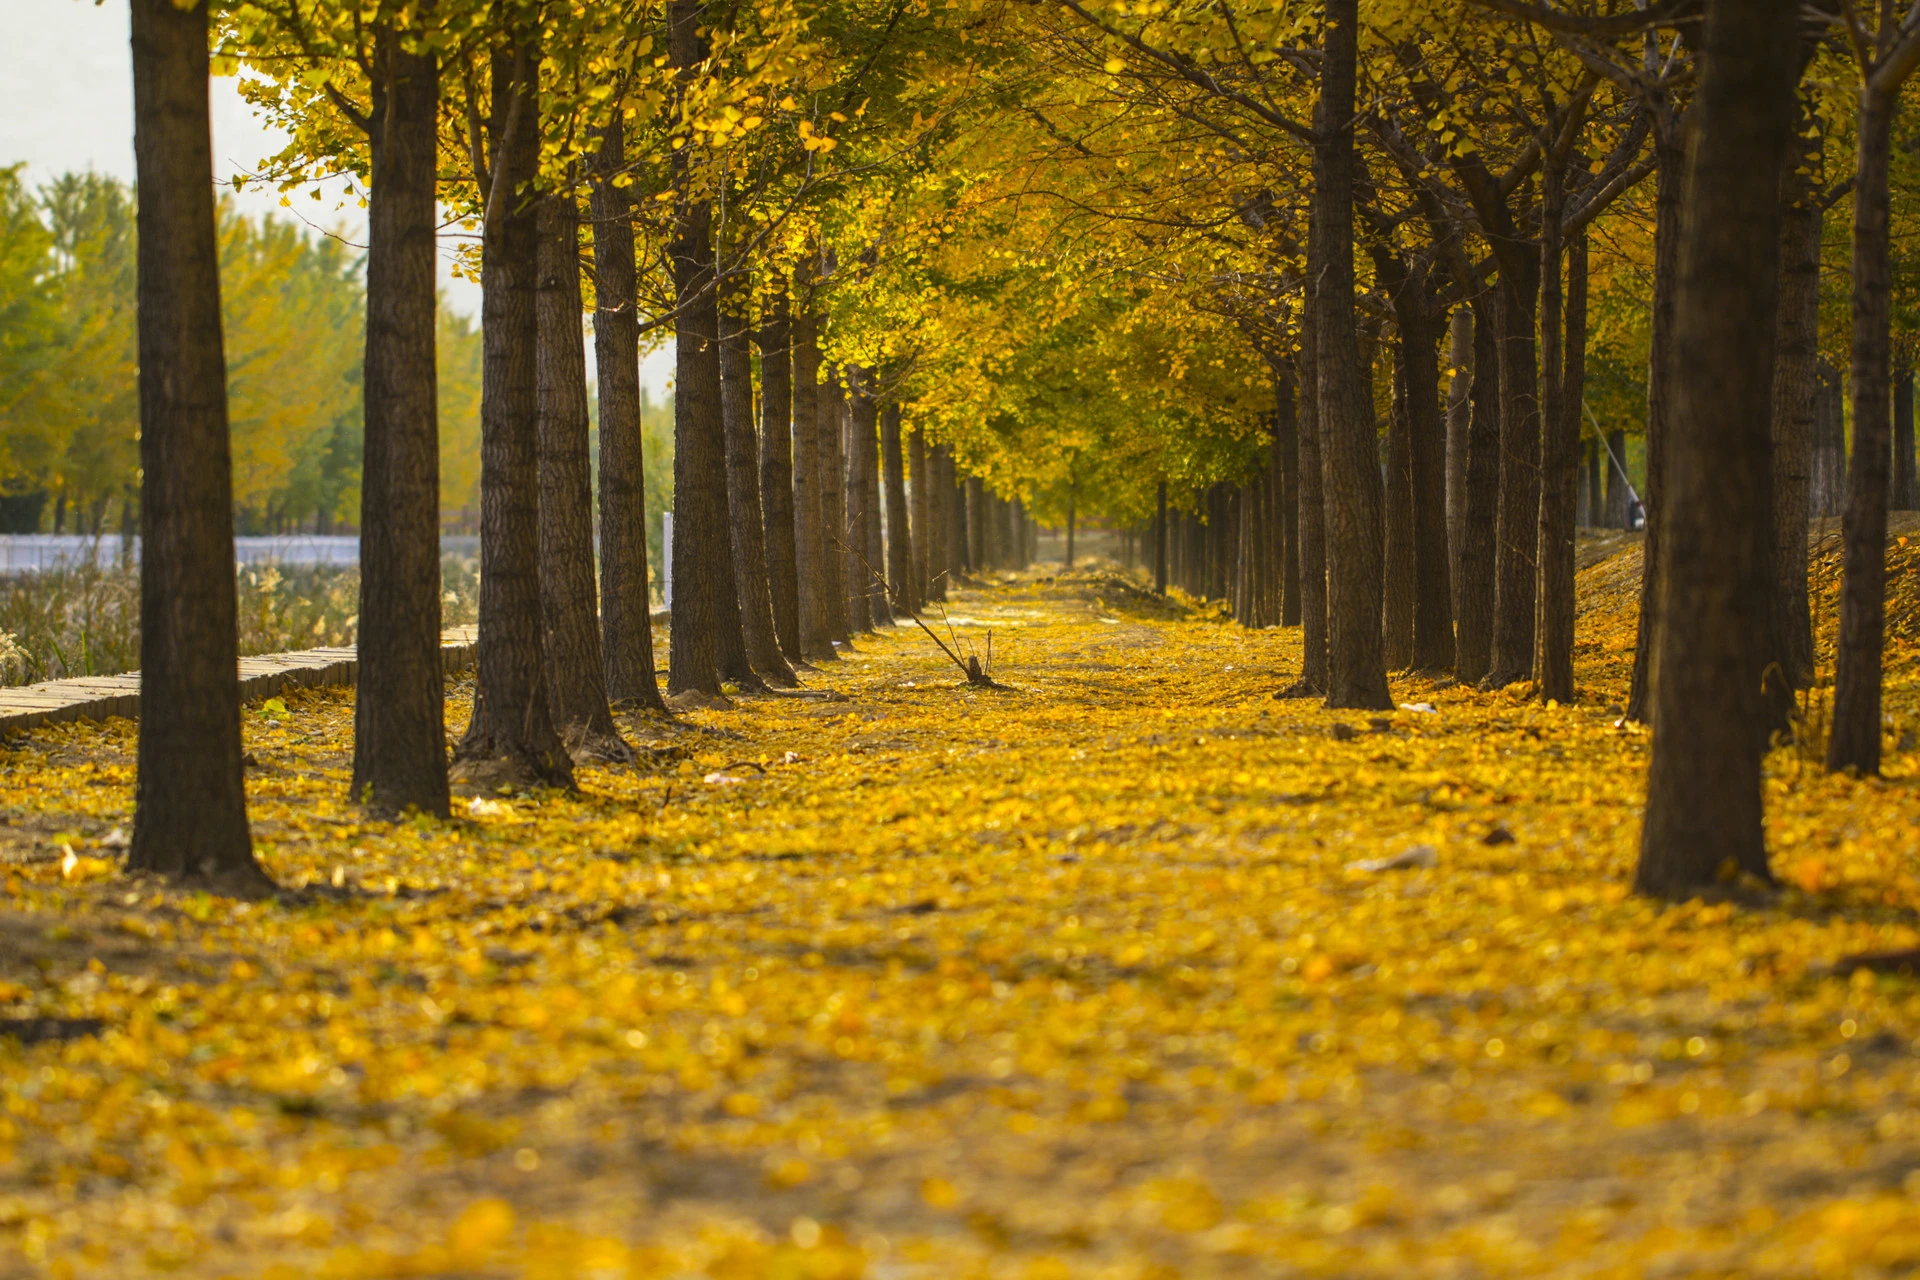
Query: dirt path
<point x="1079" y="978"/>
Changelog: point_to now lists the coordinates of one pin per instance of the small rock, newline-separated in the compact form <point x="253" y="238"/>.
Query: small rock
<point x="1380" y="724"/>
<point x="1499" y="835"/>
<point x="722" y="780"/>
<point x="1343" y="732"/>
<point x="791" y="757"/>
<point x="1422" y="708"/>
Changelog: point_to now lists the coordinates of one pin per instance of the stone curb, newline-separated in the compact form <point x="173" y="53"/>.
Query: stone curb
<point x="261" y="676"/>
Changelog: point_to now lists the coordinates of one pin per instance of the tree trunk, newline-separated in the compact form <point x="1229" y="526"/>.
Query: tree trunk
<point x="976" y="515"/>
<point x="1517" y="529"/>
<point x="744" y="516"/>
<point x="1312" y="523"/>
<point x="1160" y="540"/>
<point x="1830" y="441"/>
<point x="1459" y="424"/>
<point x="702" y="548"/>
<point x="1397" y="611"/>
<point x="1904" y="498"/>
<point x="1592" y="484"/>
<point x="190" y="806"/>
<point x="776" y="467"/>
<point x="569" y="597"/>
<point x="1356" y="667"/>
<point x="900" y="548"/>
<point x="1703" y="791"/>
<point x="861" y="423"/>
<point x="1613" y="457"/>
<point x="1670" y="169"/>
<point x="953" y="496"/>
<point x="1795" y="383"/>
<point x="1563" y="357"/>
<point x="1473" y="641"/>
<point x="626" y="627"/>
<point x="1427" y="445"/>
<point x="1854" y="742"/>
<point x="399" y="714"/>
<point x="833" y="491"/>
<point x="920" y="528"/>
<point x="1287" y="518"/>
<point x="511" y="739"/>
<point x="810" y="545"/>
<point x="878" y="531"/>
<point x="1070" y="515"/>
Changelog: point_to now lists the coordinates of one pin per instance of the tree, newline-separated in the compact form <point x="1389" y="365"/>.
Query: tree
<point x="1703" y="815"/>
<point x="511" y="736"/>
<point x="743" y="494"/>
<point x="1885" y="64"/>
<point x="399" y="742"/>
<point x="775" y="337"/>
<point x="1356" y="664"/>
<point x="626" y="628"/>
<point x="575" y="661"/>
<point x="190" y="807"/>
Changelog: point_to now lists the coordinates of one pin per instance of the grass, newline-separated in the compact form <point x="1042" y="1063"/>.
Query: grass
<point x="86" y="621"/>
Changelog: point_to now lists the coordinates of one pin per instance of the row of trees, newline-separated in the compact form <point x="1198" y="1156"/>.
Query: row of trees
<point x="1102" y="259"/>
<point x="291" y="312"/>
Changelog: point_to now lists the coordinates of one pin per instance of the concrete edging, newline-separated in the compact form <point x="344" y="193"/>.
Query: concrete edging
<point x="262" y="676"/>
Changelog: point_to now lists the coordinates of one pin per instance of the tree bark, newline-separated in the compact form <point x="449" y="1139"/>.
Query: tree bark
<point x="1473" y="641"/>
<point x="399" y="712"/>
<point x="744" y="516"/>
<point x="1613" y="456"/>
<point x="833" y="489"/>
<point x="953" y="497"/>
<point x="1592" y="484"/>
<point x="702" y="546"/>
<point x="190" y="805"/>
<point x="810" y="544"/>
<point x="1703" y="791"/>
<point x="1795" y="382"/>
<point x="1432" y="650"/>
<point x="1829" y="441"/>
<point x="900" y="548"/>
<point x="920" y="527"/>
<point x="1854" y="741"/>
<point x="1459" y="423"/>
<point x="861" y="424"/>
<point x="576" y="665"/>
<point x="1287" y="518"/>
<point x="1312" y="525"/>
<point x="707" y="644"/>
<point x="511" y="738"/>
<point x="1516" y="534"/>
<point x="776" y="468"/>
<point x="1562" y="314"/>
<point x="976" y="514"/>
<point x="873" y="496"/>
<point x="1356" y="667"/>
<point x="1397" y="607"/>
<point x="1671" y="175"/>
<point x="1904" y="497"/>
<point x="626" y="607"/>
<point x="1160" y="540"/>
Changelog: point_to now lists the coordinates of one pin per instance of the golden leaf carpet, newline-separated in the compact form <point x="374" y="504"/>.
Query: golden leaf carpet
<point x="1129" y="970"/>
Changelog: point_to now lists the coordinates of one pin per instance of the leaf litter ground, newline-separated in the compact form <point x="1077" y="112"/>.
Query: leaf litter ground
<point x="1081" y="978"/>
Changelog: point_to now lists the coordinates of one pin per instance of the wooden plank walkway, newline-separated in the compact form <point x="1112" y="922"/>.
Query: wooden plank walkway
<point x="263" y="676"/>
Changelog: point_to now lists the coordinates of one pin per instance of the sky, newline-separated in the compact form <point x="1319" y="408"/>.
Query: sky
<point x="66" y="103"/>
